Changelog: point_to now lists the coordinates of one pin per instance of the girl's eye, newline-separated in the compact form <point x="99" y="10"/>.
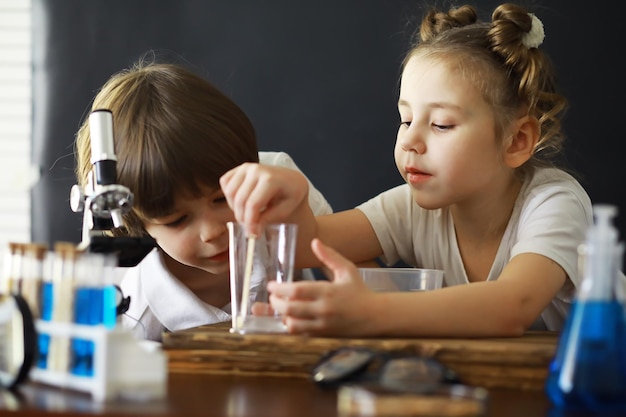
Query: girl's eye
<point x="176" y="222"/>
<point x="219" y="200"/>
<point x="442" y="127"/>
<point x="407" y="124"/>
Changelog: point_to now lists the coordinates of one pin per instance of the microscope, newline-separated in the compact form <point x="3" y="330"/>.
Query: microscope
<point x="104" y="202"/>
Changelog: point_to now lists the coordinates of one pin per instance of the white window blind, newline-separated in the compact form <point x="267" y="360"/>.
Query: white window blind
<point x="16" y="175"/>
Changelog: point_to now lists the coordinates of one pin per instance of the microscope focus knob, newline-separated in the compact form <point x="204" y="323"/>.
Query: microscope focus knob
<point x="116" y="217"/>
<point x="77" y="198"/>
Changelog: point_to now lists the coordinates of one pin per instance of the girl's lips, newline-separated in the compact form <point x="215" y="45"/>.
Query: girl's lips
<point x="416" y="177"/>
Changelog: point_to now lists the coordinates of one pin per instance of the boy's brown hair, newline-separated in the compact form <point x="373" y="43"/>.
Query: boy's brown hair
<point x="174" y="132"/>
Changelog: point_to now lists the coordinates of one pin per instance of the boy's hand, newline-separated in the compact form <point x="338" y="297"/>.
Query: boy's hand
<point x="261" y="194"/>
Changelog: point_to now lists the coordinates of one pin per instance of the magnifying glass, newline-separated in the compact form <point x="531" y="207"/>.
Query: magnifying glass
<point x="18" y="340"/>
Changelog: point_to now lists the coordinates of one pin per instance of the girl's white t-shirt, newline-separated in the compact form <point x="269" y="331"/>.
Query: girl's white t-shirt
<point x="551" y="216"/>
<point x="160" y="302"/>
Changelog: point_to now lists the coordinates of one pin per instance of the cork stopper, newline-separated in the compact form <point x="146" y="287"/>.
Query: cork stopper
<point x="67" y="250"/>
<point x="36" y="250"/>
<point x="16" y="248"/>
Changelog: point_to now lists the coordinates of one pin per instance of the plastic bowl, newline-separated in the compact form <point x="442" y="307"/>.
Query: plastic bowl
<point x="402" y="279"/>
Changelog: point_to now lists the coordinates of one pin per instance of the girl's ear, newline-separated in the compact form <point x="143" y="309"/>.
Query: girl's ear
<point x="521" y="144"/>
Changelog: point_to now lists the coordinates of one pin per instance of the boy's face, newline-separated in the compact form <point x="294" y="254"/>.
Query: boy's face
<point x="446" y="149"/>
<point x="195" y="233"/>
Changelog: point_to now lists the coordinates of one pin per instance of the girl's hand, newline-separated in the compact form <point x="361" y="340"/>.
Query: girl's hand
<point x="343" y="306"/>
<point x="261" y="194"/>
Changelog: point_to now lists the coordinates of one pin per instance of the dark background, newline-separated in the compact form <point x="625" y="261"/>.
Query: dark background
<point x="318" y="79"/>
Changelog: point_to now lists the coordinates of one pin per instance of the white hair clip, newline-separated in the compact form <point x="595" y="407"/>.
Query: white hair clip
<point x="536" y="35"/>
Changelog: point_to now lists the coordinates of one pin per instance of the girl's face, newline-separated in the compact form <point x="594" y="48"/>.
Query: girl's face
<point x="195" y="233"/>
<point x="446" y="148"/>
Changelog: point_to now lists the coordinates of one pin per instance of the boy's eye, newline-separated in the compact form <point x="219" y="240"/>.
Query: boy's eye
<point x="176" y="222"/>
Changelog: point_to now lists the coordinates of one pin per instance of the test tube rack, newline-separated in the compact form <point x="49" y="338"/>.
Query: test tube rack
<point x="124" y="367"/>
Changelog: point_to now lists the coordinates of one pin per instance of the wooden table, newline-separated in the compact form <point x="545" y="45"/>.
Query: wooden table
<point x="231" y="396"/>
<point x="199" y="384"/>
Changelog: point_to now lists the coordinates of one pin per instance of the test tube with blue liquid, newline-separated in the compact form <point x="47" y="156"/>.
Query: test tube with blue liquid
<point x="47" y="300"/>
<point x="92" y="303"/>
<point x="588" y="372"/>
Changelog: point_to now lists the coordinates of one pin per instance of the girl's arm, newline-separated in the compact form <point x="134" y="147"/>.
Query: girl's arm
<point x="261" y="194"/>
<point x="500" y="308"/>
<point x="346" y="307"/>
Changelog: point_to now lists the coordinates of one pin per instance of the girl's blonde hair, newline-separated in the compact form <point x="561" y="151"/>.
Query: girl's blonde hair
<point x="510" y="75"/>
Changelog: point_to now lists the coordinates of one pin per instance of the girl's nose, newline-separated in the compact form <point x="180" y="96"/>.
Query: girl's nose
<point x="412" y="141"/>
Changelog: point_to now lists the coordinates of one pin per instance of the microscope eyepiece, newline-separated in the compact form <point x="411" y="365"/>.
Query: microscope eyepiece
<point x="102" y="147"/>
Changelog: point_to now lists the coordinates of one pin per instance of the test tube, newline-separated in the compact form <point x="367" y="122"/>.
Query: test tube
<point x="110" y="292"/>
<point x="63" y="272"/>
<point x="11" y="277"/>
<point x="5" y="286"/>
<point x="32" y="276"/>
<point x="47" y="301"/>
<point x="89" y="306"/>
<point x="84" y="301"/>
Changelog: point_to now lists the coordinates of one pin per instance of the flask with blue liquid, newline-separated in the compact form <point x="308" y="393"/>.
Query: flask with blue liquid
<point x="588" y="371"/>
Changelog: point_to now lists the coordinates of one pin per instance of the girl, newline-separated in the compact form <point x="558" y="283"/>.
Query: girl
<point x="175" y="135"/>
<point x="479" y="123"/>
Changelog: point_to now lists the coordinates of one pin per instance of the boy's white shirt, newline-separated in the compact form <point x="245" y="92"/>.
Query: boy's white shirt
<point x="551" y="217"/>
<point x="160" y="302"/>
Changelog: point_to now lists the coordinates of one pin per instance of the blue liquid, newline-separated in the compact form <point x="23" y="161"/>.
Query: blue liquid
<point x="594" y="379"/>
<point x="109" y="318"/>
<point x="88" y="310"/>
<point x="46" y="314"/>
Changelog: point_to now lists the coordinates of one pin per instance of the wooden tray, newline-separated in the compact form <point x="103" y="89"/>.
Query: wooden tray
<point x="519" y="363"/>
